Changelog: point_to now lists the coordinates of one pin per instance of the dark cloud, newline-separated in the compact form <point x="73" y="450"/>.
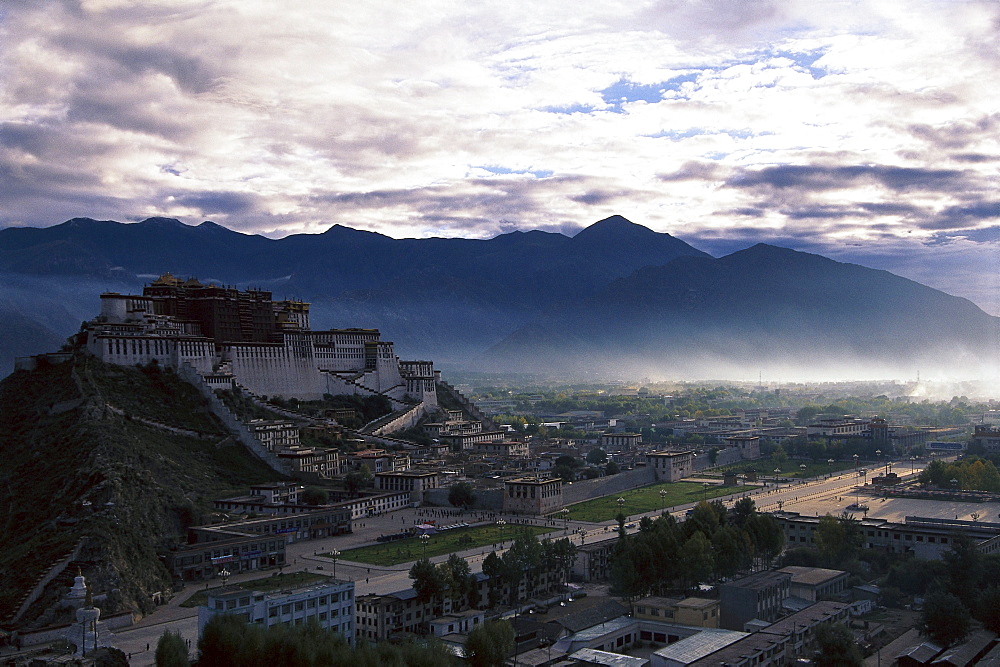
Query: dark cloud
<point x="975" y="158"/>
<point x="958" y="134"/>
<point x="747" y="211"/>
<point x="692" y="171"/>
<point x="817" y="178"/>
<point x="218" y="203"/>
<point x="114" y="107"/>
<point x="970" y="213"/>
<point x="595" y="197"/>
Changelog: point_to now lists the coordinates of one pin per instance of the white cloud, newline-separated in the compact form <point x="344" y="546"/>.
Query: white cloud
<point x="397" y="117"/>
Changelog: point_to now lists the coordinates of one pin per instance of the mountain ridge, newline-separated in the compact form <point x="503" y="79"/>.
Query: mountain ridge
<point x="451" y="299"/>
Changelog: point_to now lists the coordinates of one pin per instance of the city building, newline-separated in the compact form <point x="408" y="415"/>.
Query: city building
<point x="505" y="449"/>
<point x="532" y="495"/>
<point x="459" y="442"/>
<point x="232" y="551"/>
<point x="593" y="561"/>
<point x="671" y="466"/>
<point x="758" y="596"/>
<point x="620" y="442"/>
<point x="699" y="612"/>
<point x="330" y="604"/>
<point x="325" y="463"/>
<point x="275" y="434"/>
<point x="747" y="445"/>
<point x="987" y="436"/>
<point x="922" y="536"/>
<point x="414" y="482"/>
<point x="816" y="583"/>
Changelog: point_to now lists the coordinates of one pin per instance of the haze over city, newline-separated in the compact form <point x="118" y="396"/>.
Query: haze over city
<point x="859" y="130"/>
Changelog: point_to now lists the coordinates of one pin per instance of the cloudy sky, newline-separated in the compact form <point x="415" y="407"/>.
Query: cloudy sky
<point x="863" y="130"/>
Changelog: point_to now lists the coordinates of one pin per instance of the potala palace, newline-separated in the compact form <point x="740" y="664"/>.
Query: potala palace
<point x="267" y="347"/>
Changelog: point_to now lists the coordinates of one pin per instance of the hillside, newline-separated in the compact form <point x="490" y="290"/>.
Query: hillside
<point x="79" y="464"/>
<point x="761" y="308"/>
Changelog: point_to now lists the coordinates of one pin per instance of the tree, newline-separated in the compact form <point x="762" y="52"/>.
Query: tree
<point x="611" y="468"/>
<point x="965" y="567"/>
<point x="171" y="650"/>
<point x="945" y="619"/>
<point x="838" y="539"/>
<point x="353" y="481"/>
<point x="989" y="608"/>
<point x="489" y="644"/>
<point x="779" y="456"/>
<point x="221" y="641"/>
<point x="836" y="647"/>
<point x="743" y="509"/>
<point x="461" y="495"/>
<point x="597" y="456"/>
<point x="461" y="583"/>
<point x="696" y="560"/>
<point x="313" y="496"/>
<point x="427" y="580"/>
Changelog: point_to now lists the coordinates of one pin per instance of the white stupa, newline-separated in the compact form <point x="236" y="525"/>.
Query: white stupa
<point x="78" y="593"/>
<point x="88" y="633"/>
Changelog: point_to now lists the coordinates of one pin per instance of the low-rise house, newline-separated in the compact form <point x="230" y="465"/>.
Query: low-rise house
<point x="816" y="583"/>
<point x="699" y="612"/>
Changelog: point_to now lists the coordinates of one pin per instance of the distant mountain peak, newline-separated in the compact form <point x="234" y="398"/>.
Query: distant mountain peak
<point x="616" y="225"/>
<point x="162" y="222"/>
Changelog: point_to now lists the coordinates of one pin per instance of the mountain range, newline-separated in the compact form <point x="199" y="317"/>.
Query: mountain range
<point x="615" y="298"/>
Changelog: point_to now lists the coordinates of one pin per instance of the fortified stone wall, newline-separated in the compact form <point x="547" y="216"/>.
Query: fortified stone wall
<point x="603" y="486"/>
<point x="487" y="499"/>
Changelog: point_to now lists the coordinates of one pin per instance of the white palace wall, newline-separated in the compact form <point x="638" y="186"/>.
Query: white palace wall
<point x="275" y="370"/>
<point x="128" y="350"/>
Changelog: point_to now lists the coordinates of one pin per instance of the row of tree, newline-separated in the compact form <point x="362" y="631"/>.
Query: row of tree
<point x="529" y="564"/>
<point x="971" y="473"/>
<point x="229" y="641"/>
<point x="713" y="543"/>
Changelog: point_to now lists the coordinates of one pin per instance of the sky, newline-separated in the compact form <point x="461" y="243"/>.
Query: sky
<point x="866" y="131"/>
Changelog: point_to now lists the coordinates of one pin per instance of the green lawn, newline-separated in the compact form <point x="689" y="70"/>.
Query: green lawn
<point x="647" y="499"/>
<point x="790" y="468"/>
<point x="460" y="539"/>
<point x="264" y="584"/>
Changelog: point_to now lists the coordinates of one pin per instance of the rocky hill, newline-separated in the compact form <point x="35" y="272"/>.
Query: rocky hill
<point x="86" y="457"/>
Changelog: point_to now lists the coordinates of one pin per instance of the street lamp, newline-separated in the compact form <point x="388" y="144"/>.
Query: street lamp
<point x="225" y="575"/>
<point x="621" y="504"/>
<point x="334" y="555"/>
<point x="829" y="465"/>
<point x="663" y="501"/>
<point x="705" y="486"/>
<point x="912" y="462"/>
<point x="565" y="514"/>
<point x="954" y="483"/>
<point x="583" y="533"/>
<point x="855" y="461"/>
<point x="500" y="524"/>
<point x="424" y="539"/>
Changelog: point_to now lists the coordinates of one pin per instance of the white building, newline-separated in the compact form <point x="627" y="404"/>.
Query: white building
<point x="330" y="604"/>
<point x="281" y="358"/>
